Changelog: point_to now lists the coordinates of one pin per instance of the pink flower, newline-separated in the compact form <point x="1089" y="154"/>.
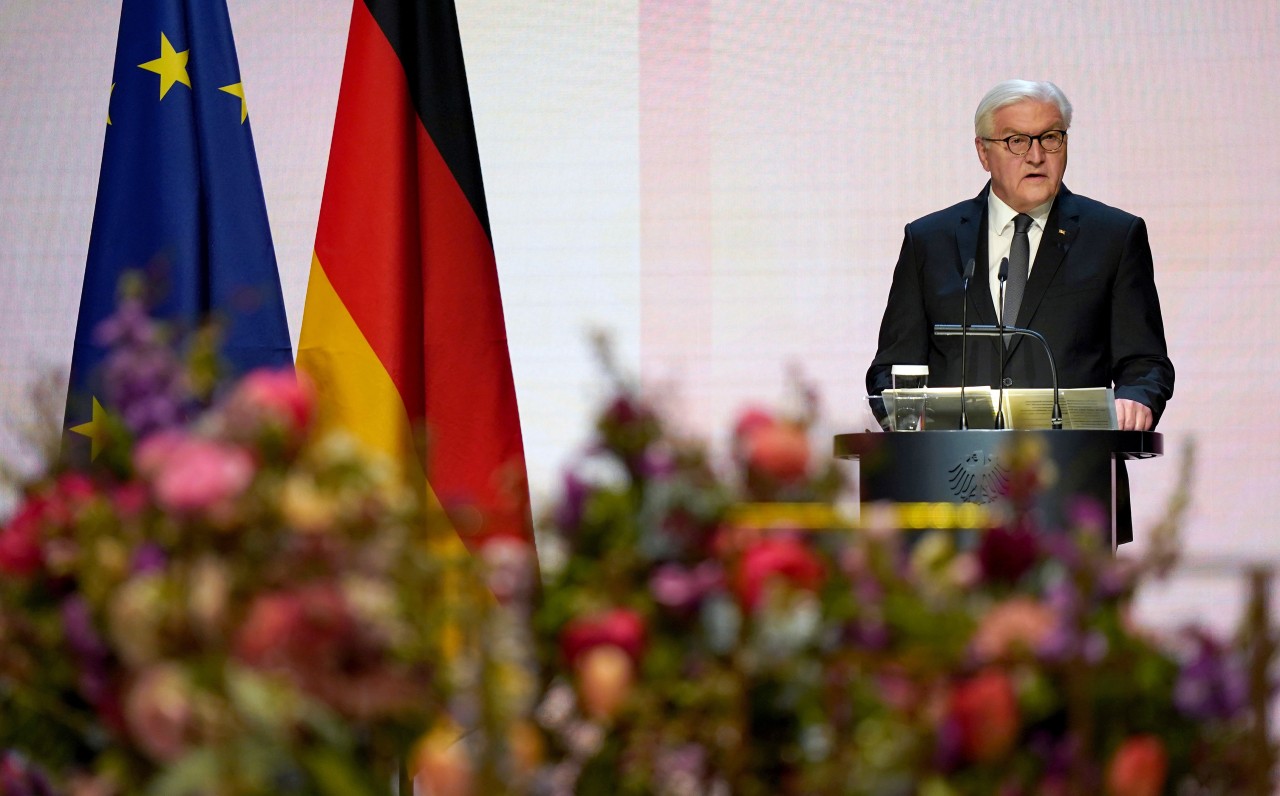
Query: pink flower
<point x="280" y="399"/>
<point x="680" y="589"/>
<point x="1138" y="768"/>
<point x="159" y="713"/>
<point x="777" y="558"/>
<point x="985" y="709"/>
<point x="1015" y="626"/>
<point x="155" y="451"/>
<point x="775" y="449"/>
<point x="192" y="474"/>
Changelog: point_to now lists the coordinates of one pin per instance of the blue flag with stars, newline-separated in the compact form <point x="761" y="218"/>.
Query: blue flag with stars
<point x="179" y="200"/>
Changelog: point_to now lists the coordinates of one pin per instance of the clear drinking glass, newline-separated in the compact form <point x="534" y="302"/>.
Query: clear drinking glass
<point x="909" y="384"/>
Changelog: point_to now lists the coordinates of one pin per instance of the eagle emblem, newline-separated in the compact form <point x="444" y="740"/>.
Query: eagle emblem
<point x="979" y="478"/>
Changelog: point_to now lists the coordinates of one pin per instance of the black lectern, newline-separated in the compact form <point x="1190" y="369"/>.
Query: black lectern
<point x="970" y="466"/>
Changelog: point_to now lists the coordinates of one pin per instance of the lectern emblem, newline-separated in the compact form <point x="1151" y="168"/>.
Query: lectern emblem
<point x="979" y="478"/>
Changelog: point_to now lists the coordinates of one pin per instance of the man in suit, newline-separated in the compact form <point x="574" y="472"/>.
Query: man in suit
<point x="1088" y="284"/>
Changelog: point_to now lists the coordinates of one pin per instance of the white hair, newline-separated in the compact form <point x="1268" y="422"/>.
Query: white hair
<point x="1013" y="91"/>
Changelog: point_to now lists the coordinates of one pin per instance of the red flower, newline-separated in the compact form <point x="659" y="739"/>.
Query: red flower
<point x="985" y="709"/>
<point x="130" y="500"/>
<point x="1138" y="768"/>
<point x="71" y="493"/>
<point x="782" y="558"/>
<point x="751" y="421"/>
<point x="298" y="628"/>
<point x="43" y="513"/>
<point x="621" y="627"/>
<point x="20" y="552"/>
<point x="1006" y="554"/>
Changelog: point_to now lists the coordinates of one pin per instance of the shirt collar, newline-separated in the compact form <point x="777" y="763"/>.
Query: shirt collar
<point x="1000" y="215"/>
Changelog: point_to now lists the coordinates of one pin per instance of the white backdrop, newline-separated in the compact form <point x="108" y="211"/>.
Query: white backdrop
<point x="722" y="184"/>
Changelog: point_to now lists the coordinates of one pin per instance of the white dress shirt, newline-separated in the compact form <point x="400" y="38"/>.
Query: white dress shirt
<point x="1000" y="239"/>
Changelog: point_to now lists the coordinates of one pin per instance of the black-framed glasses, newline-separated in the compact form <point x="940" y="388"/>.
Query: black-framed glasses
<point x="1020" y="143"/>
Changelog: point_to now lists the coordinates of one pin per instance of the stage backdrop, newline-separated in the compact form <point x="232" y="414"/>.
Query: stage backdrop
<point x="722" y="185"/>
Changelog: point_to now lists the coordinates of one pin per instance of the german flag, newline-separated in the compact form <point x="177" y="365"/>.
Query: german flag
<point x="403" y="331"/>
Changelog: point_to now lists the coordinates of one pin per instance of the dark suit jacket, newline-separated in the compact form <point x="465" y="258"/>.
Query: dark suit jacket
<point x="1091" y="293"/>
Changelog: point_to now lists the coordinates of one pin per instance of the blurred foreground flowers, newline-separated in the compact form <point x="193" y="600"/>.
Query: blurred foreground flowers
<point x="231" y="604"/>
<point x="696" y="642"/>
<point x="242" y="606"/>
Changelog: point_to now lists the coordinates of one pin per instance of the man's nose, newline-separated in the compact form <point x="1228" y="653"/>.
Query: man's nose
<point x="1036" y="153"/>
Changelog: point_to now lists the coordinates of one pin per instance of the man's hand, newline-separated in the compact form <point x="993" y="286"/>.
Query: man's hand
<point x="1132" y="416"/>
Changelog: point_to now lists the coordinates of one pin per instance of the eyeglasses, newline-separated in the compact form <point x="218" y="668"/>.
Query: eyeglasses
<point x="1020" y="143"/>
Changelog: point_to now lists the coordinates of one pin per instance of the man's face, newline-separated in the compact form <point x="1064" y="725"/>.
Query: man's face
<point x="1024" y="181"/>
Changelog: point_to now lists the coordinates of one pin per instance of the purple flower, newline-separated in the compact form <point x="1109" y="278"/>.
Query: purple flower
<point x="90" y="650"/>
<point x="658" y="462"/>
<point x="568" y="514"/>
<point x="77" y="624"/>
<point x="20" y="777"/>
<point x="1116" y="578"/>
<point x="130" y="323"/>
<point x="146" y="382"/>
<point x="681" y="769"/>
<point x="1087" y="514"/>
<point x="869" y="633"/>
<point x="1212" y="684"/>
<point x="948" y="752"/>
<point x="149" y="557"/>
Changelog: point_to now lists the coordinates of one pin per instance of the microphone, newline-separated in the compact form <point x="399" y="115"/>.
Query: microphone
<point x="964" y="342"/>
<point x="947" y="329"/>
<point x="1004" y="277"/>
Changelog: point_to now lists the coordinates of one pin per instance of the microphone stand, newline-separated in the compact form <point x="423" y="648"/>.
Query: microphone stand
<point x="964" y="343"/>
<point x="948" y="329"/>
<point x="1004" y="277"/>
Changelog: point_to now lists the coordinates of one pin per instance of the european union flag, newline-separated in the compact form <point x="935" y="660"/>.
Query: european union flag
<point x="179" y="197"/>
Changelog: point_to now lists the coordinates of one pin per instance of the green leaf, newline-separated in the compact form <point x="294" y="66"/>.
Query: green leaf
<point x="337" y="775"/>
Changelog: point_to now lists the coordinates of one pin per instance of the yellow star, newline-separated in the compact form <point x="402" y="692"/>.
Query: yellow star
<point x="109" y="93"/>
<point x="95" y="430"/>
<point x="171" y="66"/>
<point x="237" y="90"/>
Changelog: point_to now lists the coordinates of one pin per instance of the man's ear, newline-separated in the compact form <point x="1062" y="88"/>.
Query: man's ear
<point x="981" y="146"/>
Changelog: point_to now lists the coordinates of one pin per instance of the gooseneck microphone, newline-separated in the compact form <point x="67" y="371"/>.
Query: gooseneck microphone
<point x="951" y="329"/>
<point x="1004" y="277"/>
<point x="964" y="342"/>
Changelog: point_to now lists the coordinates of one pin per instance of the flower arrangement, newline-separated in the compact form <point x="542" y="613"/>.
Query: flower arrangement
<point x="224" y="602"/>
<point x="692" y="649"/>
<point x="230" y="603"/>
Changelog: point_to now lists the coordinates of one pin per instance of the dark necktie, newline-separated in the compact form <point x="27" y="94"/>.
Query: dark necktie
<point x="1019" y="265"/>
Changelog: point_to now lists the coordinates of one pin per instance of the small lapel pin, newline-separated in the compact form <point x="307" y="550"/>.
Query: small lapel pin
<point x="1062" y="232"/>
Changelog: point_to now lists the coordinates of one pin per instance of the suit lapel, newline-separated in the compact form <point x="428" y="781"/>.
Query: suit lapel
<point x="972" y="229"/>
<point x="1060" y="231"/>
